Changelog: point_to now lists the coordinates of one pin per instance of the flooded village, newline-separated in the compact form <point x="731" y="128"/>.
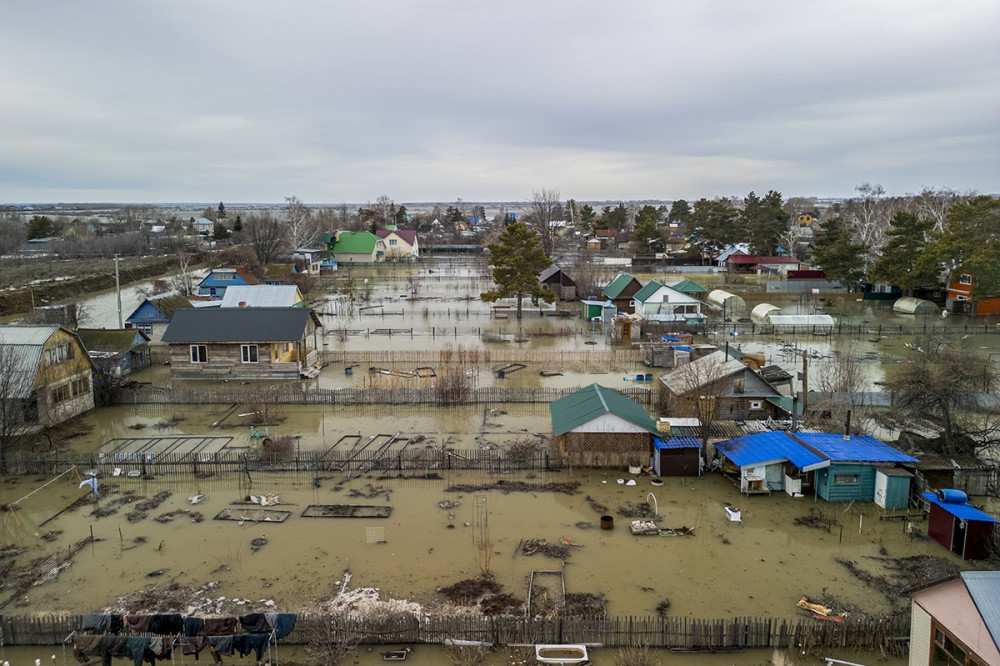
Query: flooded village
<point x="673" y="463"/>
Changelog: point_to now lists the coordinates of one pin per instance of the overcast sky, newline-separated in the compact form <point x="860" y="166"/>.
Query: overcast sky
<point x="433" y="100"/>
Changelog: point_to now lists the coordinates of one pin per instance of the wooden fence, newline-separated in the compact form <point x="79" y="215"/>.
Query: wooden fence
<point x="414" y="460"/>
<point x="487" y="395"/>
<point x="888" y="634"/>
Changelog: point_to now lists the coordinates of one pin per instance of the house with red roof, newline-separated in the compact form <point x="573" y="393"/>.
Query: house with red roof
<point x="399" y="243"/>
<point x="751" y="263"/>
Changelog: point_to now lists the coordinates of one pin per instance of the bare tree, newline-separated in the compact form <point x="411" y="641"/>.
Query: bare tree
<point x="301" y="224"/>
<point x="183" y="282"/>
<point x="265" y="235"/>
<point x="330" y="640"/>
<point x="385" y="210"/>
<point x="696" y="389"/>
<point x="544" y="209"/>
<point x="943" y="383"/>
<point x="844" y="383"/>
<point x="18" y="403"/>
<point x="12" y="232"/>
<point x="935" y="205"/>
<point x="870" y="213"/>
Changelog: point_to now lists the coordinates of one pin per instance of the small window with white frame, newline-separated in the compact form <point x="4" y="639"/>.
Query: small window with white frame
<point x="199" y="353"/>
<point x="965" y="278"/>
<point x="249" y="353"/>
<point x="756" y="404"/>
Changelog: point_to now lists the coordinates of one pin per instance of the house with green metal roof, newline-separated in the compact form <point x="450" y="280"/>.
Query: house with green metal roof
<point x="599" y="427"/>
<point x="357" y="247"/>
<point x="689" y="287"/>
<point x="658" y="302"/>
<point x="621" y="290"/>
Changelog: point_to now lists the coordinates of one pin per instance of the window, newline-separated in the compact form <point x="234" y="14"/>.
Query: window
<point x="249" y="353"/>
<point x="965" y="278"/>
<point x="392" y="241"/>
<point x="756" y="404"/>
<point x="80" y="386"/>
<point x="846" y="479"/>
<point x="199" y="353"/>
<point x="961" y="298"/>
<point x="947" y="651"/>
<point x="58" y="354"/>
<point x="60" y="394"/>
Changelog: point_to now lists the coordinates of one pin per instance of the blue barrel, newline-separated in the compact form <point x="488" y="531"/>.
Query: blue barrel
<point x="348" y="371"/>
<point x="501" y="374"/>
<point x="649" y="378"/>
<point x="952" y="496"/>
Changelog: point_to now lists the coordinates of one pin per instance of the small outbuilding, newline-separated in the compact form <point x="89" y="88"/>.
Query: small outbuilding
<point x="730" y="304"/>
<point x="676" y="456"/>
<point x="915" y="306"/>
<point x="762" y="311"/>
<point x="958" y="526"/>
<point x="956" y="620"/>
<point x="599" y="427"/>
<point x="555" y="278"/>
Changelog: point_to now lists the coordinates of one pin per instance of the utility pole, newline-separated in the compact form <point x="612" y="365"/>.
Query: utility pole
<point x="118" y="290"/>
<point x="805" y="379"/>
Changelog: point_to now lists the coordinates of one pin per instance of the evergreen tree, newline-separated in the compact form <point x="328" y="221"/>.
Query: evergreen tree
<point x="971" y="241"/>
<point x="765" y="221"/>
<point x="838" y="255"/>
<point x="219" y="231"/>
<point x="713" y="226"/>
<point x="238" y="223"/>
<point x="680" y="212"/>
<point x="222" y="211"/>
<point x="903" y="262"/>
<point x="647" y="237"/>
<point x="516" y="260"/>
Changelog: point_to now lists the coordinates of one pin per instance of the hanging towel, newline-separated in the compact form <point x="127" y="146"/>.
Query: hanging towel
<point x="192" y="626"/>
<point x="135" y="648"/>
<point x="221" y="644"/>
<point x="165" y="624"/>
<point x="283" y="625"/>
<point x="218" y="626"/>
<point x="136" y="623"/>
<point x="255" y="623"/>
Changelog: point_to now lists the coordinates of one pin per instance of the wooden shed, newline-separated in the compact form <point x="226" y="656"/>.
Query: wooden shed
<point x="892" y="487"/>
<point x="676" y="456"/>
<point x="958" y="526"/>
<point x="598" y="427"/>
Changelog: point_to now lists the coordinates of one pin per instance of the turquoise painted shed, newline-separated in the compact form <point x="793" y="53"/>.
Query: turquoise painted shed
<point x="892" y="488"/>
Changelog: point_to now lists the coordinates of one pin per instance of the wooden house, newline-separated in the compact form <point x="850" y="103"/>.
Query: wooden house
<point x="555" y="279"/>
<point x="835" y="467"/>
<point x="958" y="526"/>
<point x="598" y="427"/>
<point x="154" y="313"/>
<point x="967" y="473"/>
<point x="46" y="376"/>
<point x="749" y="263"/>
<point x="116" y="353"/>
<point x="620" y="292"/>
<point x="959" y="297"/>
<point x="399" y="243"/>
<point x="243" y="343"/>
<point x="717" y="387"/>
<point x="956" y="620"/>
<point x="658" y="302"/>
<point x="214" y="284"/>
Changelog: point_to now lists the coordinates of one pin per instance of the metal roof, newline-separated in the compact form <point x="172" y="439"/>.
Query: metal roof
<point x="616" y="286"/>
<point x="676" y="443"/>
<point x="767" y="446"/>
<point x="594" y="401"/>
<point x="700" y="372"/>
<point x="859" y="448"/>
<point x="238" y="325"/>
<point x="963" y="511"/>
<point x="114" y="340"/>
<point x="984" y="588"/>
<point x="356" y="242"/>
<point x="261" y="296"/>
<point x="800" y="320"/>
<point x="687" y="286"/>
<point x="26" y="335"/>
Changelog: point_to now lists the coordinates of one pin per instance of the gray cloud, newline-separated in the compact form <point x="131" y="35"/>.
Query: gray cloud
<point x="253" y="101"/>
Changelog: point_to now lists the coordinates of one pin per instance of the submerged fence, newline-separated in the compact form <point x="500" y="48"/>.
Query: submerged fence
<point x="410" y="459"/>
<point x="888" y="634"/>
<point x="164" y="395"/>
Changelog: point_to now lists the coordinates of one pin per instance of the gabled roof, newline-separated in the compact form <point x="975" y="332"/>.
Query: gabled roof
<point x="770" y="446"/>
<point x="261" y="296"/>
<point x="594" y="401"/>
<point x="408" y="235"/>
<point x="168" y="303"/>
<point x="617" y="286"/>
<point x="671" y="295"/>
<point x="119" y="341"/>
<point x="701" y="372"/>
<point x="688" y="287"/>
<point x="355" y="242"/>
<point x="213" y="280"/>
<point x="548" y="272"/>
<point x="25" y="345"/>
<point x="224" y="325"/>
<point x="755" y="259"/>
<point x="647" y="290"/>
<point x="984" y="588"/>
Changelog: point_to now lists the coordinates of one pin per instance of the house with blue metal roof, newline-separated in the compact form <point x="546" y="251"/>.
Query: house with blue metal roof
<point x="835" y="467"/>
<point x="214" y="285"/>
<point x="957" y="620"/>
<point x="155" y="312"/>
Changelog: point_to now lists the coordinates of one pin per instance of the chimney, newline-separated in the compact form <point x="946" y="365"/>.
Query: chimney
<point x="243" y="304"/>
<point x="795" y="413"/>
<point x="847" y="429"/>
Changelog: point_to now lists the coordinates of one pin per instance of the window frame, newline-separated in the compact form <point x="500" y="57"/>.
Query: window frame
<point x="249" y="350"/>
<point x="198" y="354"/>
<point x="847" y="479"/>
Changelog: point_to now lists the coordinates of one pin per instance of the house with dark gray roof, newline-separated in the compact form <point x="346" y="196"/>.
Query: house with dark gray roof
<point x="243" y="343"/>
